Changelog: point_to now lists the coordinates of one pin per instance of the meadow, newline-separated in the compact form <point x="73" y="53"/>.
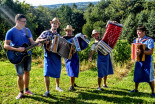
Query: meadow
<point x="120" y="83"/>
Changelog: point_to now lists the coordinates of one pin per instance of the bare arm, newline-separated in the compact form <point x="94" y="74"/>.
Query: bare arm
<point x="32" y="41"/>
<point x="147" y="52"/>
<point x="91" y="55"/>
<point x="40" y="39"/>
<point x="8" y="47"/>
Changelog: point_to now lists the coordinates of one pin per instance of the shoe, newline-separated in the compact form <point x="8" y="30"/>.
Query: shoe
<point x="105" y="86"/>
<point x="75" y="85"/>
<point x="153" y="95"/>
<point x="99" y="88"/>
<point x="29" y="92"/>
<point x="71" y="88"/>
<point x="46" y="94"/>
<point x="59" y="89"/>
<point x="133" y="91"/>
<point x="20" y="95"/>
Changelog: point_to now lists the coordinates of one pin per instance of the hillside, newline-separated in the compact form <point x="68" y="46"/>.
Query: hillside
<point x="80" y="5"/>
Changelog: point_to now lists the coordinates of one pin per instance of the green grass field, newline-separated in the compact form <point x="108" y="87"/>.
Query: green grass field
<point x="118" y="92"/>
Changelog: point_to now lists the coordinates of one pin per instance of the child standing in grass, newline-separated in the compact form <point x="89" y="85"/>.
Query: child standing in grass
<point x="104" y="64"/>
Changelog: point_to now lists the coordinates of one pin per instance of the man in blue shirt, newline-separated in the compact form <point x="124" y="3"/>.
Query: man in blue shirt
<point x="144" y="71"/>
<point x="17" y="36"/>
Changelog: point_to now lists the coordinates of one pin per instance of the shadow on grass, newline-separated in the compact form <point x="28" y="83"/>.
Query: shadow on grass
<point x="109" y="98"/>
<point x="39" y="98"/>
<point x="59" y="99"/>
<point x="126" y="91"/>
<point x="93" y="69"/>
<point x="121" y="93"/>
<point x="90" y="94"/>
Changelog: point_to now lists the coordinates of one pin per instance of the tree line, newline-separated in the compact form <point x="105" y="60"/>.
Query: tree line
<point x="130" y="13"/>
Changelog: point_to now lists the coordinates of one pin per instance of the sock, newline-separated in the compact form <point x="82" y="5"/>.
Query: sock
<point x="21" y="92"/>
<point x="48" y="91"/>
<point x="26" y="89"/>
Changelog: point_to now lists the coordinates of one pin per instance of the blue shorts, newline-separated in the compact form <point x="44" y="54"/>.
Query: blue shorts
<point x="25" y="65"/>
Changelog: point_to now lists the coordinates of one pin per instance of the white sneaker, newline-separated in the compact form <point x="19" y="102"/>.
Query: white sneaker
<point x="20" y="95"/>
<point x="59" y="89"/>
<point x="99" y="88"/>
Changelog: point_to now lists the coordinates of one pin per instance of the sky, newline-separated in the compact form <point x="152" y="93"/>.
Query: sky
<point x="49" y="2"/>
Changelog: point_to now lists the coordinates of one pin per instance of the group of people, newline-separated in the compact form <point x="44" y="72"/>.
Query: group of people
<point x="18" y="35"/>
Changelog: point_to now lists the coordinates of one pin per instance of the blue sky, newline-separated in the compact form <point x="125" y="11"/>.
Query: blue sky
<point x="49" y="2"/>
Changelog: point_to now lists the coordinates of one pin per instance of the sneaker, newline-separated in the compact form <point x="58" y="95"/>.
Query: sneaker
<point x="20" y="95"/>
<point x="99" y="88"/>
<point x="29" y="92"/>
<point x="153" y="95"/>
<point x="133" y="91"/>
<point x="75" y="85"/>
<point x="46" y="94"/>
<point x="105" y="86"/>
<point x="71" y="88"/>
<point x="59" y="89"/>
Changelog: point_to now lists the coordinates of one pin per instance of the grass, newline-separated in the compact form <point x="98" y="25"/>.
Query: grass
<point x="120" y="84"/>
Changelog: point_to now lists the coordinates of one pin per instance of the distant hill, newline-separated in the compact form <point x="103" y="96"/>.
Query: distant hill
<point x="80" y="5"/>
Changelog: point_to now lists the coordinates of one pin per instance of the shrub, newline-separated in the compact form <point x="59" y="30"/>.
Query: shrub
<point x="2" y="50"/>
<point x="84" y="54"/>
<point x="38" y="52"/>
<point x="122" y="51"/>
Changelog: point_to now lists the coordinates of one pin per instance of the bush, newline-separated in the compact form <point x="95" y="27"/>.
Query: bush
<point x="84" y="54"/>
<point x="38" y="52"/>
<point x="122" y="51"/>
<point x="2" y="50"/>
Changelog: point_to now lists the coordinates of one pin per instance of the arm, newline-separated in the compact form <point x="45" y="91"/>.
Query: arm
<point x="40" y="39"/>
<point x="91" y="55"/>
<point x="32" y="41"/>
<point x="150" y="47"/>
<point x="147" y="52"/>
<point x="8" y="47"/>
<point x="92" y="52"/>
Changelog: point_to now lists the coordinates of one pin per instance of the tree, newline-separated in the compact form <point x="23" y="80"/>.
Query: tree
<point x="151" y="24"/>
<point x="90" y="5"/>
<point x="129" y="28"/>
<point x="87" y="29"/>
<point x="64" y="14"/>
<point x="142" y="17"/>
<point x="74" y="6"/>
<point x="44" y="16"/>
<point x="77" y="20"/>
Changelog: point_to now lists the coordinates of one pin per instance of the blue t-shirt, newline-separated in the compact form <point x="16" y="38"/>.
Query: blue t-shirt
<point x="18" y="37"/>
